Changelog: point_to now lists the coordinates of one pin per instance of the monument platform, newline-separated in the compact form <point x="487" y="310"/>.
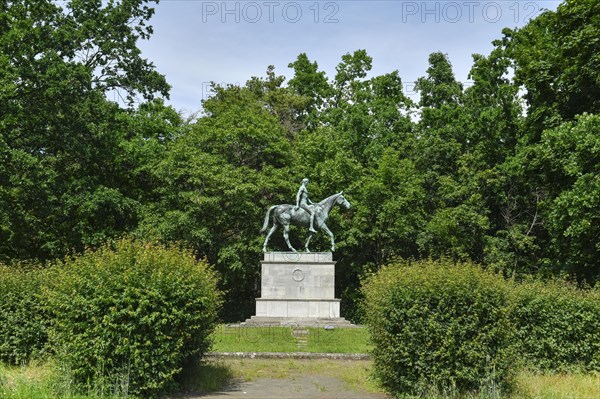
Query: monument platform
<point x="298" y="288"/>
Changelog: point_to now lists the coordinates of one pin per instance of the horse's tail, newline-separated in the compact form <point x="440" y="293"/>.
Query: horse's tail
<point x="266" y="223"/>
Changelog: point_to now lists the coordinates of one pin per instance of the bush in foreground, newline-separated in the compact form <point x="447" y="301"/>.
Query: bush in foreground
<point x="440" y="328"/>
<point x="23" y="319"/>
<point x="126" y="319"/>
<point x="558" y="326"/>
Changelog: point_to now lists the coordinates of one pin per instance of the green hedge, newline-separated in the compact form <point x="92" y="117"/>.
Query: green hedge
<point x="443" y="328"/>
<point x="558" y="326"/>
<point x="126" y="319"/>
<point x="23" y="319"/>
<point x="439" y="328"/>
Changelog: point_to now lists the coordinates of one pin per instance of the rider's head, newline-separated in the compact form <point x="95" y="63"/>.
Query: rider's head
<point x="305" y="181"/>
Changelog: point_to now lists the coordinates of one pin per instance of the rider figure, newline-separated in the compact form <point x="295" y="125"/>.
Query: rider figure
<point x="302" y="201"/>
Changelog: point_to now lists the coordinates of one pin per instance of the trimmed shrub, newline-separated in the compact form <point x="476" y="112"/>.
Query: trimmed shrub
<point x="127" y="319"/>
<point x="558" y="326"/>
<point x="439" y="328"/>
<point x="23" y="319"/>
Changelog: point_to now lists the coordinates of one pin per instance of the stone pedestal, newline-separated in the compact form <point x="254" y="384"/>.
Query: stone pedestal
<point x="298" y="289"/>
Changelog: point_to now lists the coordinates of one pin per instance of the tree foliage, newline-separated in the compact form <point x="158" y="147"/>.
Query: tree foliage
<point x="65" y="172"/>
<point x="502" y="172"/>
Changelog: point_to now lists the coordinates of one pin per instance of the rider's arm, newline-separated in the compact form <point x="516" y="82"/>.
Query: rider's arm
<point x="298" y="196"/>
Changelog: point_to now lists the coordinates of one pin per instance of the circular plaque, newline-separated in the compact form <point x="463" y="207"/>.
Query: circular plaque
<point x="298" y="275"/>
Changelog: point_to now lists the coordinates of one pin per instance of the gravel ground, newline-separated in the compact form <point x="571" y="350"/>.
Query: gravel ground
<point x="296" y="387"/>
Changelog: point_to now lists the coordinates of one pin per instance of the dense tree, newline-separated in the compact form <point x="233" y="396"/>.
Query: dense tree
<point x="457" y="218"/>
<point x="63" y="185"/>
<point x="567" y="160"/>
<point x="311" y="83"/>
<point x="441" y="136"/>
<point x="556" y="60"/>
<point x="288" y="106"/>
<point x="494" y="122"/>
<point x="503" y="172"/>
<point x="214" y="182"/>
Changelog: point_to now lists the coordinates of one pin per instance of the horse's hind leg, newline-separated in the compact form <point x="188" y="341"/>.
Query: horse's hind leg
<point x="273" y="229"/>
<point x="286" y="235"/>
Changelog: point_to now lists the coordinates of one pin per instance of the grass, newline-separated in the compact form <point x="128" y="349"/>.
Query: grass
<point x="280" y="339"/>
<point x="253" y="339"/>
<point x="43" y="381"/>
<point x="532" y="385"/>
<point x="23" y="382"/>
<point x="341" y="340"/>
<point x="206" y="376"/>
<point x="356" y="374"/>
<point x="38" y="381"/>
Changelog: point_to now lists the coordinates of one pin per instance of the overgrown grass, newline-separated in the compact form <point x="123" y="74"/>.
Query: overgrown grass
<point x="558" y="386"/>
<point x="40" y="381"/>
<point x="281" y="339"/>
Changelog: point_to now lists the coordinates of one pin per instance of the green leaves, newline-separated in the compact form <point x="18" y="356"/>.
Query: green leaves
<point x="465" y="172"/>
<point x="129" y="318"/>
<point x="241" y="132"/>
<point x="24" y="317"/>
<point x="439" y="327"/>
<point x="557" y="326"/>
<point x="556" y="60"/>
<point x="67" y="176"/>
<point x="213" y="183"/>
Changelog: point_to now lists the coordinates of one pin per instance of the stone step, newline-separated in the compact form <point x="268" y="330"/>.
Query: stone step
<point x="317" y="322"/>
<point x="299" y="333"/>
<point x="301" y="336"/>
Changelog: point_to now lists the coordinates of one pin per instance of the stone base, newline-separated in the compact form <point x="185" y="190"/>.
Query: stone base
<point x="317" y="322"/>
<point x="328" y="308"/>
<point x="302" y="275"/>
<point x="297" y="289"/>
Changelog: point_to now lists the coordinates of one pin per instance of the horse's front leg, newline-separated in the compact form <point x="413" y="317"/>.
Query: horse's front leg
<point x="273" y="229"/>
<point x="286" y="235"/>
<point x="324" y="227"/>
<point x="310" y="236"/>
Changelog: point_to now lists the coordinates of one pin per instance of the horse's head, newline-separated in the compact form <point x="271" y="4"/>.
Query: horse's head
<point x="341" y="200"/>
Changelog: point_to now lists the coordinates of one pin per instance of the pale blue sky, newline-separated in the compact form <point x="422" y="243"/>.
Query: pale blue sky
<point x="198" y="41"/>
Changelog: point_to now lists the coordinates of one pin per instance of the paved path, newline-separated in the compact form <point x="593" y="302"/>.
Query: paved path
<point x="296" y="387"/>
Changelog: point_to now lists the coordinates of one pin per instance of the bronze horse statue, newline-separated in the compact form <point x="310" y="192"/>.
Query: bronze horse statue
<point x="285" y="215"/>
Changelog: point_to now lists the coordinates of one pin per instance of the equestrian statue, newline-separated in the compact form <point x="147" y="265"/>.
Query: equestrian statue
<point x="305" y="214"/>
